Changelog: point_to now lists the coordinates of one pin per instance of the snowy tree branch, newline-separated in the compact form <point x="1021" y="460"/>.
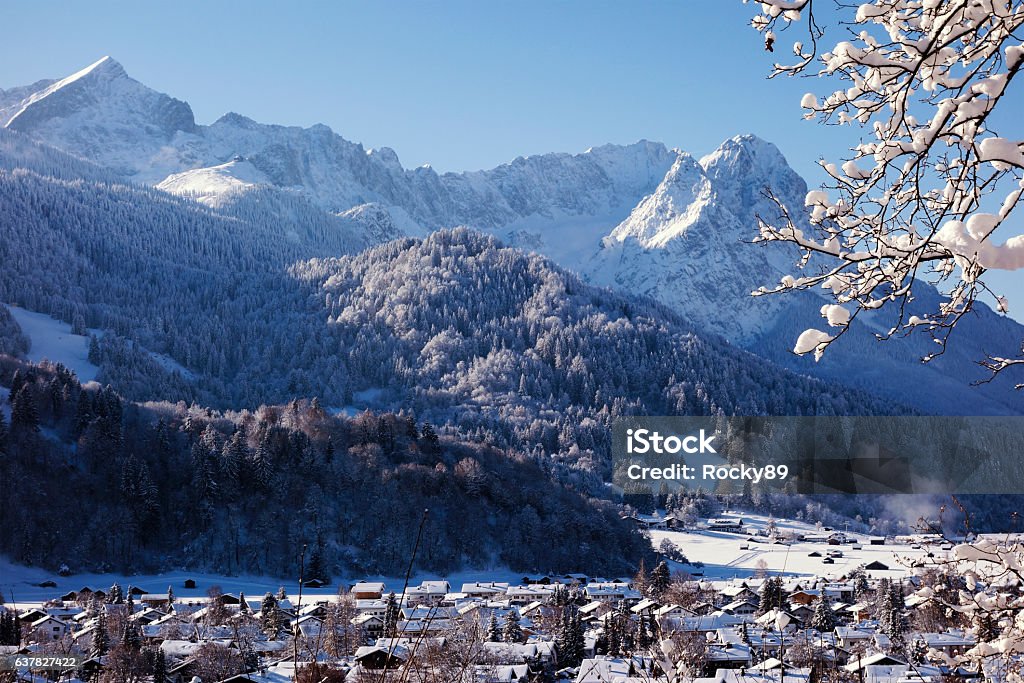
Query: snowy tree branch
<point x="930" y="183"/>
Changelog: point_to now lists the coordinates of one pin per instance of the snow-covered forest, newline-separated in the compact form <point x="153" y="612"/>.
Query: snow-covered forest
<point x="108" y="484"/>
<point x="462" y="330"/>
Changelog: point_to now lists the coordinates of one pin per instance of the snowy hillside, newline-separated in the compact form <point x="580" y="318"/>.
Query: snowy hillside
<point x="54" y="341"/>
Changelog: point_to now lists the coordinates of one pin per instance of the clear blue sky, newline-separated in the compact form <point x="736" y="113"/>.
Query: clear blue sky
<point x="459" y="84"/>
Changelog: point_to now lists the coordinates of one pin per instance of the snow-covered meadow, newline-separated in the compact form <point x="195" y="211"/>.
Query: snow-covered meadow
<point x="736" y="555"/>
<point x="53" y="340"/>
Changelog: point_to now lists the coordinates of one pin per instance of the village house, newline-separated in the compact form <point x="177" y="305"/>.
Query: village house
<point x="484" y="590"/>
<point x="366" y="590"/>
<point x="428" y="593"/>
<point x="524" y="595"/>
<point x="612" y="591"/>
<point x="740" y="608"/>
<point x="48" y="628"/>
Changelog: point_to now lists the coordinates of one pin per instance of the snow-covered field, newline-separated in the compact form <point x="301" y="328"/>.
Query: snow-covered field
<point x="729" y="555"/>
<point x="721" y="553"/>
<point x="52" y="340"/>
<point x="21" y="584"/>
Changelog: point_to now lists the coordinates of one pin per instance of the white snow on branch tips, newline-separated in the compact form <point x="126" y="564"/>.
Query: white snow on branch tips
<point x="812" y="340"/>
<point x="1001" y="150"/>
<point x="836" y="315"/>
<point x="909" y="206"/>
<point x="968" y="243"/>
<point x="816" y="198"/>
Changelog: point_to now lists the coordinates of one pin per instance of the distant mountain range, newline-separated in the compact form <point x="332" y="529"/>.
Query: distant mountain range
<point x="641" y="218"/>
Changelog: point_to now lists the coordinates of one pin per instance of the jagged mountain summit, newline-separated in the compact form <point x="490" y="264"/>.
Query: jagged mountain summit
<point x="103" y="114"/>
<point x="89" y="109"/>
<point x="641" y="218"/>
<point x="686" y="243"/>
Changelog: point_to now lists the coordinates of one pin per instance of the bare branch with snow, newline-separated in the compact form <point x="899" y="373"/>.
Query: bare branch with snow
<point x="930" y="183"/>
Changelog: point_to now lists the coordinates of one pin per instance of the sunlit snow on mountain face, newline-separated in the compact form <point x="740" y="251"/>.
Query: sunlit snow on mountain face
<point x="640" y="218"/>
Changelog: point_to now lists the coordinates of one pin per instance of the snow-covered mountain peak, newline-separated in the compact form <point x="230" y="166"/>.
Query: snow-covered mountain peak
<point x="386" y="156"/>
<point x="103" y="114"/>
<point x="687" y="243"/>
<point x="743" y="167"/>
<point x="671" y="209"/>
<point x="105" y="67"/>
<point x="102" y="89"/>
<point x="236" y="120"/>
<point x="743" y="155"/>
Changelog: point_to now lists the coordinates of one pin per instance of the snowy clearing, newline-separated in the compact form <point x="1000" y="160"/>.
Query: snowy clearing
<point x="51" y="339"/>
<point x="736" y="555"/>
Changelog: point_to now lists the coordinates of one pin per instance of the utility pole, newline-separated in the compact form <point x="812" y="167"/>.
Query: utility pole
<point x="298" y="606"/>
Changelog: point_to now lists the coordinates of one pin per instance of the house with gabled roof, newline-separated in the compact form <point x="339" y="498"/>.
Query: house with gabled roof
<point x="48" y="628"/>
<point x="612" y="591"/>
<point x="479" y="589"/>
<point x="524" y="595"/>
<point x="368" y="590"/>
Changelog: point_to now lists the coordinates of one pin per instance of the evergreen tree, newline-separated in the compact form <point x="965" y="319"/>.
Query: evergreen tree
<point x="569" y="640"/>
<point x="768" y="598"/>
<point x="559" y="595"/>
<point x="512" y="633"/>
<point x="159" y="667"/>
<point x="493" y="632"/>
<point x="100" y="636"/>
<point x="578" y="641"/>
<point x="18" y="380"/>
<point x="130" y="636"/>
<point x="10" y="631"/>
<point x="898" y="600"/>
<point x="260" y="467"/>
<point x="24" y="412"/>
<point x="411" y="430"/>
<point x="431" y="442"/>
<point x="613" y="634"/>
<point x="233" y="460"/>
<point x="243" y="605"/>
<point x="115" y="595"/>
<point x="861" y="589"/>
<point x="270" y="616"/>
<point x="660" y="579"/>
<point x="824" y="619"/>
<point x="391" y="616"/>
<point x="316" y="569"/>
<point x="643" y="634"/>
<point x="892" y="620"/>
